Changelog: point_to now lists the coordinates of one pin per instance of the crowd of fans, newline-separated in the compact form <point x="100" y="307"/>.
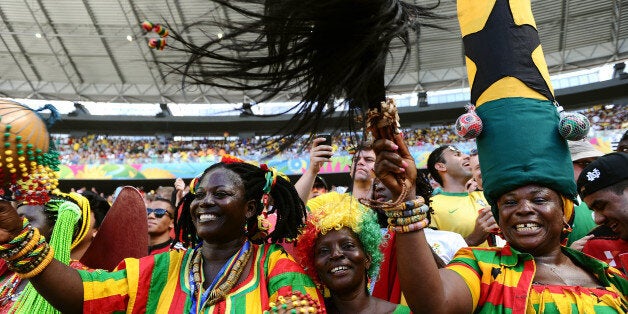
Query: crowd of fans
<point x="101" y="149"/>
<point x="610" y="117"/>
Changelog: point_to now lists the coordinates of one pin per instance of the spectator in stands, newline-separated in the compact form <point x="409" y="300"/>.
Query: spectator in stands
<point x="582" y="154"/>
<point x="455" y="209"/>
<point x="362" y="173"/>
<point x="98" y="149"/>
<point x="320" y="187"/>
<point x="603" y="185"/>
<point x="160" y="213"/>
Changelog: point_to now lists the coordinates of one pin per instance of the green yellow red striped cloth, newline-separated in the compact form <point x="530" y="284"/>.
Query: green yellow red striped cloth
<point x="500" y="281"/>
<point x="160" y="284"/>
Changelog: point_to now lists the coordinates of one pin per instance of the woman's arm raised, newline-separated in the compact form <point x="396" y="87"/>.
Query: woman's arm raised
<point x="60" y="284"/>
<point x="426" y="288"/>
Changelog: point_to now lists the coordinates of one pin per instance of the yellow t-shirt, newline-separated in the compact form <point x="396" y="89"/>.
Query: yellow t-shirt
<point x="456" y="212"/>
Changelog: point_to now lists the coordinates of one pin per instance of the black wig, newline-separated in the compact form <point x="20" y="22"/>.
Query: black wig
<point x="322" y="50"/>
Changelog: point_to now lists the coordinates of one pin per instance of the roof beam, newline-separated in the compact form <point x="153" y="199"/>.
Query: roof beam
<point x="61" y="51"/>
<point x="184" y="23"/>
<point x="18" y="43"/>
<point x="616" y="25"/>
<point x="19" y="66"/>
<point x="116" y="67"/>
<point x="562" y="36"/>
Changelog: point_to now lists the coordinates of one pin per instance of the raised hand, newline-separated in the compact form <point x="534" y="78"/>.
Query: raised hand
<point x="319" y="154"/>
<point x="394" y="162"/>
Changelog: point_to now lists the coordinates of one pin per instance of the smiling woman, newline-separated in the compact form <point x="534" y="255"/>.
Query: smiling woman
<point x="232" y="265"/>
<point x="340" y="249"/>
<point x="527" y="176"/>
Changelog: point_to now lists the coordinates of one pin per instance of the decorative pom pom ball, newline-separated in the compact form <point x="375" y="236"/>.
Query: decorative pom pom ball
<point x="157" y="43"/>
<point x="573" y="126"/>
<point x="24" y="141"/>
<point x="469" y="125"/>
<point x="160" y="30"/>
<point x="147" y="26"/>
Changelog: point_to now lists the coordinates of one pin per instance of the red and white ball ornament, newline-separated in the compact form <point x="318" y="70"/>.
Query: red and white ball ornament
<point x="469" y="125"/>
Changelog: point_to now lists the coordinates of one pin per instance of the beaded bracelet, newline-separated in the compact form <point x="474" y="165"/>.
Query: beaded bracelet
<point x="404" y="221"/>
<point x="30" y="244"/>
<point x="28" y="254"/>
<point x="31" y="259"/>
<point x="407" y="205"/>
<point x="42" y="265"/>
<point x="411" y="227"/>
<point x="16" y="244"/>
<point x="408" y="212"/>
<point x="9" y="250"/>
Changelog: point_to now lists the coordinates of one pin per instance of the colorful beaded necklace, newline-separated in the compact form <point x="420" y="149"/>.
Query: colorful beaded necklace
<point x="223" y="282"/>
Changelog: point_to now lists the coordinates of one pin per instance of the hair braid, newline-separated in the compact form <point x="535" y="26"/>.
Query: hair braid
<point x="184" y="229"/>
<point x="291" y="212"/>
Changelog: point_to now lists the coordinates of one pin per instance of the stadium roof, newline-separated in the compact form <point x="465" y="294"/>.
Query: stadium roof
<point x="88" y="50"/>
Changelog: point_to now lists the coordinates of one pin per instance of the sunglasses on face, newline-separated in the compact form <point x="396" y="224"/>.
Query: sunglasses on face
<point x="159" y="212"/>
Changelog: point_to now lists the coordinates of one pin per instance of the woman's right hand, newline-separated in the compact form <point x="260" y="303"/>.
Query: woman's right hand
<point x="10" y="222"/>
<point x="319" y="154"/>
<point x="394" y="160"/>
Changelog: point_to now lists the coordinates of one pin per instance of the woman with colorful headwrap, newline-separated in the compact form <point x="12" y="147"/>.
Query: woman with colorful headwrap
<point x="232" y="264"/>
<point x="528" y="180"/>
<point x="65" y="220"/>
<point x="339" y="248"/>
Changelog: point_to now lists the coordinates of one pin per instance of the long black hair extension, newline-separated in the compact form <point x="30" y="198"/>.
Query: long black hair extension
<point x="286" y="204"/>
<point x="322" y="50"/>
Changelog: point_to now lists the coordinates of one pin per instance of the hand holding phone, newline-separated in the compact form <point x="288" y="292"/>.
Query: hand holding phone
<point x="327" y="141"/>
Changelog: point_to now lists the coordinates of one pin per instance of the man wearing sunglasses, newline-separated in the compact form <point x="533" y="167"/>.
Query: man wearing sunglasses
<point x="160" y="221"/>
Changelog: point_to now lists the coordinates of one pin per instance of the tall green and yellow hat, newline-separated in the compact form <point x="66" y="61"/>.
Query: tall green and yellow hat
<point x="520" y="142"/>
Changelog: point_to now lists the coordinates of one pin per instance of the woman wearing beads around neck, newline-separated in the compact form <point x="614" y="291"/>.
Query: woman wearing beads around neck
<point x="230" y="265"/>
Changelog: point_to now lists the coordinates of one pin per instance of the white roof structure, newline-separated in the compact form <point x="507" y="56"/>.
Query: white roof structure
<point x="88" y="50"/>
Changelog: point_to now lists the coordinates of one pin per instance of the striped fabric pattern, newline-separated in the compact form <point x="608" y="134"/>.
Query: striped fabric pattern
<point x="159" y="284"/>
<point x="569" y="299"/>
<point x="500" y="279"/>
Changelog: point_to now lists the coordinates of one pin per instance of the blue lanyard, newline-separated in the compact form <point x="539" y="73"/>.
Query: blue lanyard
<point x="211" y="287"/>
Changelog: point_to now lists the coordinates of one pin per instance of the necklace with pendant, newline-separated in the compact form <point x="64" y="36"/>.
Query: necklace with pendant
<point x="223" y="282"/>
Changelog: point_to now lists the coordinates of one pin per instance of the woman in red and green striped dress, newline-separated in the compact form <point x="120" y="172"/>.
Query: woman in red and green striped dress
<point x="232" y="265"/>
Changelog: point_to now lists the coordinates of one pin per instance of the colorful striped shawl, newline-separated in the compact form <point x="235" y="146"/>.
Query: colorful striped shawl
<point x="159" y="284"/>
<point x="500" y="278"/>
